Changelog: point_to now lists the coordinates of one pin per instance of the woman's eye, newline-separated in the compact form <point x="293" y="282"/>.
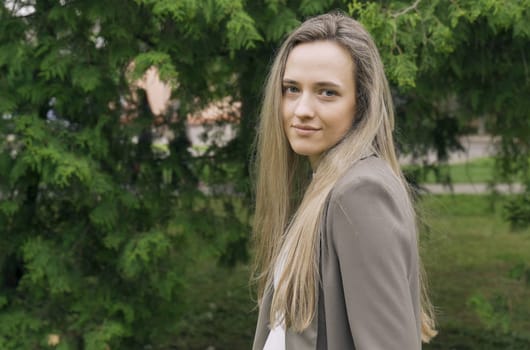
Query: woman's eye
<point x="290" y="90"/>
<point x="328" y="93"/>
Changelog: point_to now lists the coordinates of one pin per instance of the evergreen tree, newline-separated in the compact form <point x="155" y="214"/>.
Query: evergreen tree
<point x="100" y="227"/>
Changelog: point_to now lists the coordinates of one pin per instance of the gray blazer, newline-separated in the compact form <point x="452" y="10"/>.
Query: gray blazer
<point x="369" y="295"/>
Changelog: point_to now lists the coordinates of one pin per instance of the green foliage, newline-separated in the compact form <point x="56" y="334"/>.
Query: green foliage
<point x="314" y="7"/>
<point x="280" y="24"/>
<point x="102" y="336"/>
<point x="242" y="32"/>
<point x="517" y="211"/>
<point x="17" y="328"/>
<point x="464" y="338"/>
<point x="494" y="313"/>
<point x="100" y="234"/>
<point x="520" y="272"/>
<point x="452" y="61"/>
<point x="161" y="60"/>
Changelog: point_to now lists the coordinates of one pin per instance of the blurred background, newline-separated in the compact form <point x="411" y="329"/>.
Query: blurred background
<point x="126" y="132"/>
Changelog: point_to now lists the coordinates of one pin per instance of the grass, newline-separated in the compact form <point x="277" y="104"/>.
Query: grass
<point x="479" y="273"/>
<point x="221" y="313"/>
<point x="480" y="170"/>
<point x="472" y="259"/>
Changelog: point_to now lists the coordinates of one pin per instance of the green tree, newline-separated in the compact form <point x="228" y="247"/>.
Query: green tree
<point x="99" y="233"/>
<point x="453" y="61"/>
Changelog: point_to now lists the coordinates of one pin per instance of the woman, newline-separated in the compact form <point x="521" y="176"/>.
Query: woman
<point x="337" y="261"/>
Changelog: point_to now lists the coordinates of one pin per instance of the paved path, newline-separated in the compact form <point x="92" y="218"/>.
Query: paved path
<point x="470" y="188"/>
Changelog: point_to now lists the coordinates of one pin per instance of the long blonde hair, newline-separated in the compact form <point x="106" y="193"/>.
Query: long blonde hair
<point x="289" y="205"/>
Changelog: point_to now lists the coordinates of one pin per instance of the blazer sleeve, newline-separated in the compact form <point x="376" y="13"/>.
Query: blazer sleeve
<point x="375" y="243"/>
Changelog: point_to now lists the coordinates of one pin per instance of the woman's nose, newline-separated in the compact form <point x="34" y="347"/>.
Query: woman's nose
<point x="305" y="107"/>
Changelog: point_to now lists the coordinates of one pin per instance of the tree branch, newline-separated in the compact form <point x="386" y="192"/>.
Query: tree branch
<point x="407" y="9"/>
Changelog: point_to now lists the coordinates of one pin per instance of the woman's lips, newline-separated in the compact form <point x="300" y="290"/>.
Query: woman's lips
<point x="305" y="130"/>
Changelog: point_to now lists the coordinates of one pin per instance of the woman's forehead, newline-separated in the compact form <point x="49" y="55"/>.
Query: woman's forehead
<point x="319" y="60"/>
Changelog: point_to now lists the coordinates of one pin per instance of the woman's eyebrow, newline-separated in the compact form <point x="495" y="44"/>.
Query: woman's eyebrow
<point x="318" y="84"/>
<point x="328" y="84"/>
<point x="289" y="81"/>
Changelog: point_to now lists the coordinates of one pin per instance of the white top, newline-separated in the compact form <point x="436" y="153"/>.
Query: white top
<point x="276" y="338"/>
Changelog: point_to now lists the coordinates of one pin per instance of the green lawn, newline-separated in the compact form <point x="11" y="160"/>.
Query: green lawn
<point x="480" y="170"/>
<point x="479" y="273"/>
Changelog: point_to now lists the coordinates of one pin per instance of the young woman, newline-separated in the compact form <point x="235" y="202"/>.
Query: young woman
<point x="337" y="260"/>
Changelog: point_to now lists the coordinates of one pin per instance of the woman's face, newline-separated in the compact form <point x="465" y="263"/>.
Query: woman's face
<point x="318" y="103"/>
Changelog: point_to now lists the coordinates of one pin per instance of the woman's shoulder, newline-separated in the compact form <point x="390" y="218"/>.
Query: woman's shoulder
<point x="369" y="173"/>
<point x="371" y="201"/>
